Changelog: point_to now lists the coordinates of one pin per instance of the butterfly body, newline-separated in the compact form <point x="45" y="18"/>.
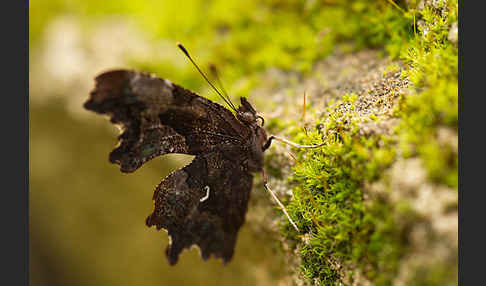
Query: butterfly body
<point x="205" y="202"/>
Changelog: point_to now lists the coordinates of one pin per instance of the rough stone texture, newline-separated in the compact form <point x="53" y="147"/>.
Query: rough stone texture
<point x="453" y="33"/>
<point x="434" y="240"/>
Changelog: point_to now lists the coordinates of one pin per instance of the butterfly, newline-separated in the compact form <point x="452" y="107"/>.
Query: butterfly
<point x="205" y="202"/>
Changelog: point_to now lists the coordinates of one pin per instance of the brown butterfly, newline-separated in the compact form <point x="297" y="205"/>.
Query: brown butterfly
<point x="205" y="202"/>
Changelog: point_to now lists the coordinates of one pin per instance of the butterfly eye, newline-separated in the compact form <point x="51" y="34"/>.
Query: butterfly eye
<point x="263" y="120"/>
<point x="246" y="117"/>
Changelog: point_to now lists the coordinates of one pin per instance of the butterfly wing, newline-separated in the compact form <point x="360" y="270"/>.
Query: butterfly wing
<point x="159" y="117"/>
<point x="203" y="204"/>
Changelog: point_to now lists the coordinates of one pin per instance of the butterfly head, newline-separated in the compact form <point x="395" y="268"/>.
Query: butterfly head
<point x="247" y="114"/>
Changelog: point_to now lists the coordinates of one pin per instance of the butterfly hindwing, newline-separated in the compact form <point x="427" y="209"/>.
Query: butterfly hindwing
<point x="203" y="204"/>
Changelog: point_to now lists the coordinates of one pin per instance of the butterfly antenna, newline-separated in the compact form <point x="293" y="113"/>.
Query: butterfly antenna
<point x="214" y="71"/>
<point x="204" y="76"/>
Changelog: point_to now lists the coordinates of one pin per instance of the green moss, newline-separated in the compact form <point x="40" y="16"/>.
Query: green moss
<point x="392" y="68"/>
<point x="350" y="98"/>
<point x="433" y="71"/>
<point x="329" y="204"/>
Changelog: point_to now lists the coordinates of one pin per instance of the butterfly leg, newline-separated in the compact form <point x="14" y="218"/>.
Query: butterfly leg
<point x="269" y="141"/>
<point x="265" y="184"/>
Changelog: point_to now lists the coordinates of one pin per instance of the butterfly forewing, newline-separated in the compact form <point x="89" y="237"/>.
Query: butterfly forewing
<point x="159" y="117"/>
